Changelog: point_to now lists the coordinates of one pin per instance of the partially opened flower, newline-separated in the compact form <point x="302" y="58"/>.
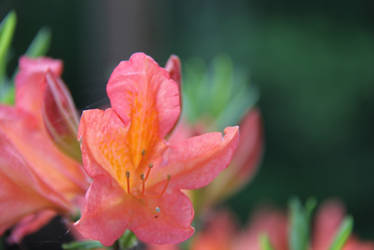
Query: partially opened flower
<point x="137" y="174"/>
<point x="24" y="133"/>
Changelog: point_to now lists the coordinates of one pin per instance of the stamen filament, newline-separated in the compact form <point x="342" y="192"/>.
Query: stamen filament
<point x="150" y="166"/>
<point x="128" y="181"/>
<point x="166" y="185"/>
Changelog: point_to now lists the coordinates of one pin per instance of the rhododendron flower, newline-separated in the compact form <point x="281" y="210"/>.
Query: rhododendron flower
<point x="137" y="174"/>
<point x="37" y="179"/>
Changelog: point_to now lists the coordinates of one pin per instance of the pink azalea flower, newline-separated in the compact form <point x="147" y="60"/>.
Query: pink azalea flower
<point x="32" y="166"/>
<point x="137" y="174"/>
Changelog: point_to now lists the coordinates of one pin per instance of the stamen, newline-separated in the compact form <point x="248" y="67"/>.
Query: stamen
<point x="128" y="181"/>
<point x="143" y="152"/>
<point x="150" y="166"/>
<point x="143" y="182"/>
<point x="166" y="186"/>
<point x="158" y="209"/>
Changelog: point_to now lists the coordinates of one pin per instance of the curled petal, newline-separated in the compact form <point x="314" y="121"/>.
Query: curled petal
<point x="173" y="66"/>
<point x="60" y="116"/>
<point x="30" y="82"/>
<point x="143" y="93"/>
<point x="195" y="162"/>
<point x="30" y="224"/>
<point x="244" y="163"/>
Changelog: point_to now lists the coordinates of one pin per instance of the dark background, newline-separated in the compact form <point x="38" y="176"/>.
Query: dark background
<point x="311" y="60"/>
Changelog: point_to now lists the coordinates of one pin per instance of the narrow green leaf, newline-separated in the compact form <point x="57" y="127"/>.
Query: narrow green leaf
<point x="80" y="245"/>
<point x="265" y="242"/>
<point x="7" y="28"/>
<point x="40" y="45"/>
<point x="300" y="224"/>
<point x="343" y="233"/>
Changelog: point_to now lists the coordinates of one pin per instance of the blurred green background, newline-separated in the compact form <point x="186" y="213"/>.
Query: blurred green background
<point x="312" y="62"/>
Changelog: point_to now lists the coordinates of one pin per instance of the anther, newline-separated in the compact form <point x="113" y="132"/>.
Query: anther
<point x="158" y="209"/>
<point x="143" y="182"/>
<point x="128" y="181"/>
<point x="143" y="152"/>
<point x="150" y="166"/>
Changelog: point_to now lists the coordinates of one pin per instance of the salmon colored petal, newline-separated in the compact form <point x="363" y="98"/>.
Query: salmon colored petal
<point x="105" y="214"/>
<point x="21" y="191"/>
<point x="163" y="219"/>
<point x="218" y="234"/>
<point x="30" y="224"/>
<point x="327" y="222"/>
<point x="269" y="222"/>
<point x="108" y="212"/>
<point x="195" y="162"/>
<point x="60" y="116"/>
<point x="30" y="82"/>
<point x="59" y="171"/>
<point x="244" y="163"/>
<point x="144" y="95"/>
<point x="249" y="151"/>
<point x="104" y="144"/>
<point x="173" y="66"/>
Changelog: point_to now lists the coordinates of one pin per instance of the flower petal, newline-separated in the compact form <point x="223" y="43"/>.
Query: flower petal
<point x="104" y="146"/>
<point x="22" y="192"/>
<point x="163" y="220"/>
<point x="30" y="224"/>
<point x="60" y="116"/>
<point x="173" y="66"/>
<point x="59" y="171"/>
<point x="105" y="214"/>
<point x="144" y="95"/>
<point x="327" y="222"/>
<point x="30" y="82"/>
<point x="196" y="161"/>
<point x="266" y="221"/>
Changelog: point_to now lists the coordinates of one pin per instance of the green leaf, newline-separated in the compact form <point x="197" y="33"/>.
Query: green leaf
<point x="80" y="245"/>
<point x="127" y="240"/>
<point x="343" y="233"/>
<point x="9" y="95"/>
<point x="221" y="84"/>
<point x="40" y="45"/>
<point x="7" y="28"/>
<point x="265" y="242"/>
<point x="300" y="224"/>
